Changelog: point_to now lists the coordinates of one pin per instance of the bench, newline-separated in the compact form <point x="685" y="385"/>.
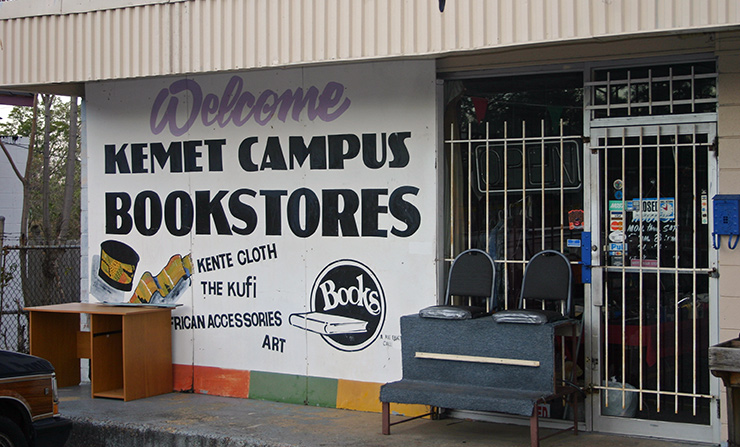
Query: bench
<point x="479" y="365"/>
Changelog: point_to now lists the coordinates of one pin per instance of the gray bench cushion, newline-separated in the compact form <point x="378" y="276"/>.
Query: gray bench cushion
<point x="446" y="395"/>
<point x="452" y="312"/>
<point x="527" y="316"/>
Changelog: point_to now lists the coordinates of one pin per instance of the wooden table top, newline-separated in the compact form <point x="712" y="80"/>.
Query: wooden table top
<point x="97" y="308"/>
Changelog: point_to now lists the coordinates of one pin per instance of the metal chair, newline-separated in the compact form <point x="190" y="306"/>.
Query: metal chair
<point x="472" y="274"/>
<point x="547" y="279"/>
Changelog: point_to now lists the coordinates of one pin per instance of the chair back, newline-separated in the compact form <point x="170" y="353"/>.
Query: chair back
<point x="472" y="274"/>
<point x="548" y="278"/>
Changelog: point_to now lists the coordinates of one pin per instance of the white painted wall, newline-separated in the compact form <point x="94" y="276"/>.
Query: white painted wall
<point x="261" y="283"/>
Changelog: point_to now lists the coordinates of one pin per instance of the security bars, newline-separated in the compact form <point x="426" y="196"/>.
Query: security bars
<point x="655" y="184"/>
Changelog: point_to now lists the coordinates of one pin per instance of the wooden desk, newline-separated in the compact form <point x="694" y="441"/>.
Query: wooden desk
<point x="130" y="348"/>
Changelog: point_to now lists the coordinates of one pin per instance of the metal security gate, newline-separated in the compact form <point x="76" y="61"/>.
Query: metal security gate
<point x="653" y="312"/>
<point x="514" y="197"/>
<point x="536" y="204"/>
<point x="653" y="288"/>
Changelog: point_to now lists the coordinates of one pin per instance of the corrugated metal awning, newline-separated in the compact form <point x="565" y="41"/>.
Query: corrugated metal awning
<point x="45" y="42"/>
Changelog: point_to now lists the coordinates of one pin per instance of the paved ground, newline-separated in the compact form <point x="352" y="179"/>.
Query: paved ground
<point x="192" y="420"/>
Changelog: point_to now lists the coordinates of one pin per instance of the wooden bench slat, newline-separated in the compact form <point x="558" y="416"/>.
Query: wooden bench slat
<point x="476" y="359"/>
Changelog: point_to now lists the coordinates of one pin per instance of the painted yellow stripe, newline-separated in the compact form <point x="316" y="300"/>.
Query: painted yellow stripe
<point x="364" y="396"/>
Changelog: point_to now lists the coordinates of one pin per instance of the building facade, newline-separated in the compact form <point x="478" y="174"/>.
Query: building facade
<point x="296" y="176"/>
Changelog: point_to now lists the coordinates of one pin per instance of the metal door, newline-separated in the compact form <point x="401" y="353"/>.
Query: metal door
<point x="654" y="286"/>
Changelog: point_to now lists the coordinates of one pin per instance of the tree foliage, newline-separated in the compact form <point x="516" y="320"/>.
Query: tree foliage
<point x="20" y="122"/>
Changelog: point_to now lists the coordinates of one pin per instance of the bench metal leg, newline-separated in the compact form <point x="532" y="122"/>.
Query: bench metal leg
<point x="386" y="418"/>
<point x="534" y="428"/>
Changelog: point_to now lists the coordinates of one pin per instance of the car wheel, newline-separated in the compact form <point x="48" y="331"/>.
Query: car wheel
<point x="10" y="434"/>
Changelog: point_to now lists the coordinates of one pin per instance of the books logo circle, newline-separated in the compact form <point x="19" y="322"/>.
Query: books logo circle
<point x="347" y="305"/>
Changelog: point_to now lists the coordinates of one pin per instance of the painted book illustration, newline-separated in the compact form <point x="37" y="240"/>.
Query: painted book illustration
<point x="327" y="324"/>
<point x="167" y="285"/>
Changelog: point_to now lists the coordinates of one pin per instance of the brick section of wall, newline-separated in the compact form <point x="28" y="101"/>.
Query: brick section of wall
<point x="729" y="183"/>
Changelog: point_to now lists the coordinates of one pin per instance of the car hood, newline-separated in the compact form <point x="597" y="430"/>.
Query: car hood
<point x="16" y="364"/>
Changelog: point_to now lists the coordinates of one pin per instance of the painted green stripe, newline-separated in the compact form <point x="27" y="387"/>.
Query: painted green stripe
<point x="293" y="389"/>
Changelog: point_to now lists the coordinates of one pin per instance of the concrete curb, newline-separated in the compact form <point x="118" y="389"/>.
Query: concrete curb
<point x="102" y="433"/>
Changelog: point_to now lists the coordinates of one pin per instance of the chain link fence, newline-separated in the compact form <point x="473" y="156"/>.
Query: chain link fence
<point x="34" y="275"/>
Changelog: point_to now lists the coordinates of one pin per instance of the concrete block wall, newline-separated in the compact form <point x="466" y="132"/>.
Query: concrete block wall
<point x="728" y="131"/>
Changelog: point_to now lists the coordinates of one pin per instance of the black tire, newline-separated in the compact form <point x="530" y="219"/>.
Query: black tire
<point x="11" y="434"/>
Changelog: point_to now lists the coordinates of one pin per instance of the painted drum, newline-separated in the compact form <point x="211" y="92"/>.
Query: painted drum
<point x="118" y="264"/>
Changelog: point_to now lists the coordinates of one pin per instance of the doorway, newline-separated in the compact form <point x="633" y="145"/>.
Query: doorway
<point x="654" y="287"/>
